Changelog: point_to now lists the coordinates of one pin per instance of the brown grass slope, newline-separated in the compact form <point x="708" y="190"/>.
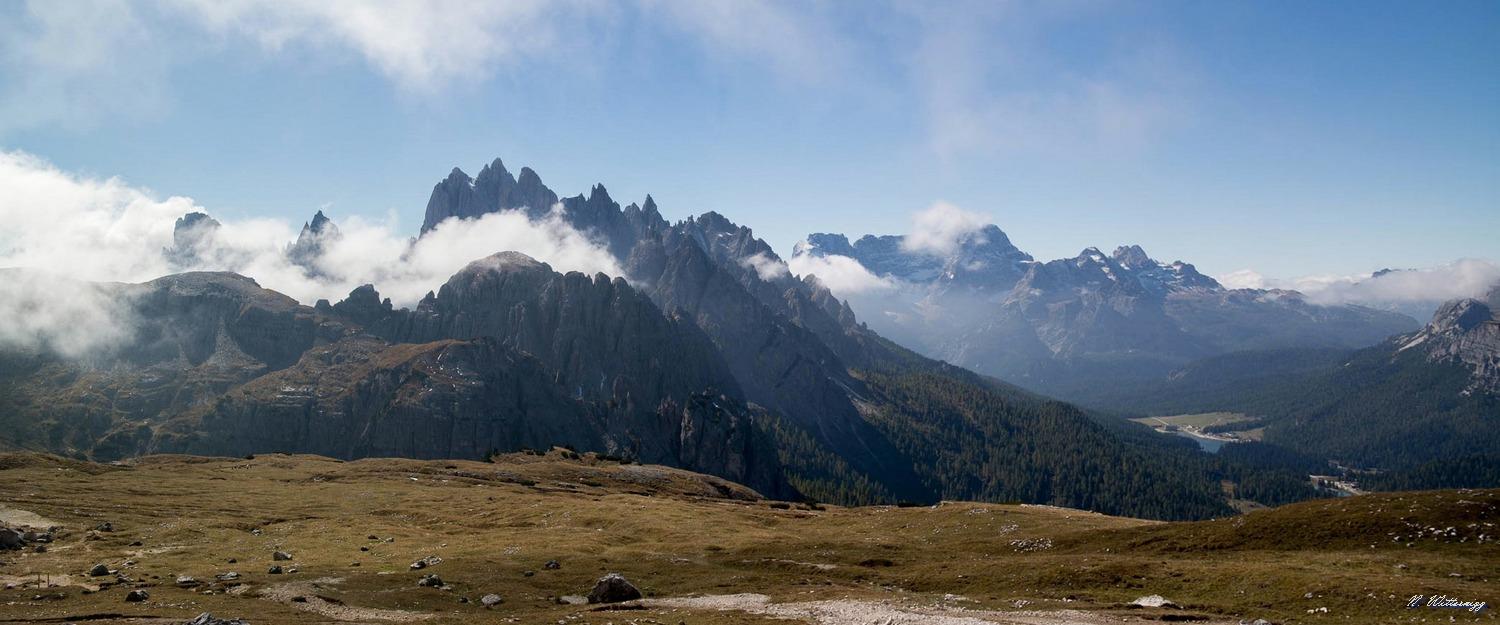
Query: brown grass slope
<point x="678" y="534"/>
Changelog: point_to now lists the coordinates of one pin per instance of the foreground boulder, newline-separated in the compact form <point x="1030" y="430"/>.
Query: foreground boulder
<point x="11" y="539"/>
<point x="613" y="588"/>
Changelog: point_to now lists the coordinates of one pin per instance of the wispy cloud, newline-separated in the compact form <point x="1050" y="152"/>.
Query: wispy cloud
<point x="75" y="64"/>
<point x="990" y="86"/>
<point x="795" y="40"/>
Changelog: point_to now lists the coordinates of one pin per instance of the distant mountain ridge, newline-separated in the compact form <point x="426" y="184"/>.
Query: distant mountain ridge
<point x="1064" y="326"/>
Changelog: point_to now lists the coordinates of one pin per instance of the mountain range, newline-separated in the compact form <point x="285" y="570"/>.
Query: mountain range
<point x="1071" y="327"/>
<point x="705" y="353"/>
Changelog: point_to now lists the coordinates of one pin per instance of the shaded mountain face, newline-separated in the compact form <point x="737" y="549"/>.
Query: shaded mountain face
<point x="218" y="365"/>
<point x="1065" y="326"/>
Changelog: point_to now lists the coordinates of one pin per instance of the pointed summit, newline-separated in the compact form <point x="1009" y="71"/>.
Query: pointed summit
<point x="1133" y="257"/>
<point x="310" y="242"/>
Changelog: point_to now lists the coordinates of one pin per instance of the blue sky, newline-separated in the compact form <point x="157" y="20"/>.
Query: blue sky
<point x="1288" y="138"/>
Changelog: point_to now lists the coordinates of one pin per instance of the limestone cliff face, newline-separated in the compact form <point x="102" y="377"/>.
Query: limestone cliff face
<point x="604" y="339"/>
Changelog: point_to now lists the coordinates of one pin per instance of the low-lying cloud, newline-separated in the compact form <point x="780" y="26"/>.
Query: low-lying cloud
<point x="1411" y="290"/>
<point x="107" y="230"/>
<point x="841" y="274"/>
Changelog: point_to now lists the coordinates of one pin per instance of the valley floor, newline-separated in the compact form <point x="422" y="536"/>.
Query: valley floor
<point x="703" y="551"/>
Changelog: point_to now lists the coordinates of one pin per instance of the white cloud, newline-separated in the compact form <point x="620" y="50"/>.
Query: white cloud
<point x="107" y="230"/>
<point x="940" y="228"/>
<point x="1461" y="278"/>
<point x="766" y="267"/>
<point x="841" y="274"/>
<point x="799" y="45"/>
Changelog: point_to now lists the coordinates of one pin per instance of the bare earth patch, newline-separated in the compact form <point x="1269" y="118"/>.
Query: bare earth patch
<point x="16" y="516"/>
<point x="860" y="612"/>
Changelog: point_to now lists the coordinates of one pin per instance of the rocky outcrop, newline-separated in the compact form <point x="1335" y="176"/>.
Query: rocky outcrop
<point x="1466" y="331"/>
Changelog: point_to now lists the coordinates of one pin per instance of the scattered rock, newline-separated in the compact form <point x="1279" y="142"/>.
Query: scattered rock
<point x="274" y="570"/>
<point x="528" y="573"/>
<point x="209" y="619"/>
<point x="227" y="577"/>
<point x="99" y="570"/>
<point x="137" y="596"/>
<point x="40" y="549"/>
<point x="613" y="588"/>
<point x="430" y="581"/>
<point x="572" y="600"/>
<point x="136" y="543"/>
<point x="280" y="556"/>
<point x="552" y="565"/>
<point x="1153" y="601"/>
<point x="11" y="539"/>
<point x="490" y="600"/>
<point x="104" y="527"/>
<point x="184" y="581"/>
<point x="426" y="562"/>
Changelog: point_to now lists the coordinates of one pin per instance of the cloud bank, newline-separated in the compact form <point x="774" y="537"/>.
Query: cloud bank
<point x="107" y="230"/>
<point x="1410" y="290"/>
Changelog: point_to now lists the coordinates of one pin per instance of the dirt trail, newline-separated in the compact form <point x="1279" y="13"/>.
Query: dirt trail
<point x="858" y="612"/>
<point x="308" y="591"/>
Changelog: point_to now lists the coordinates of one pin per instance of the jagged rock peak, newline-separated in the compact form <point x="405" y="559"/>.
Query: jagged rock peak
<point x="318" y="224"/>
<point x="310" y="242"/>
